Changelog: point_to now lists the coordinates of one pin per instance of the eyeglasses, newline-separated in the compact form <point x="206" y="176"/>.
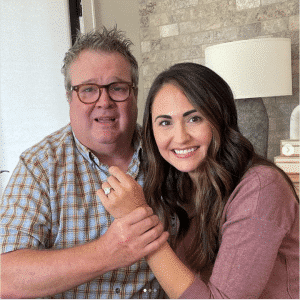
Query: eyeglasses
<point x="91" y="92"/>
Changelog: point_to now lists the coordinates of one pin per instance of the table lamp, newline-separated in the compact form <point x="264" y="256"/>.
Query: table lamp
<point x="253" y="69"/>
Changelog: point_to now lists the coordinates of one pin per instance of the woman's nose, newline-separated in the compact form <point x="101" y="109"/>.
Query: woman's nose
<point x="181" y="134"/>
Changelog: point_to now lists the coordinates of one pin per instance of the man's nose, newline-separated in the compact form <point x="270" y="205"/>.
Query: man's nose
<point x="104" y="99"/>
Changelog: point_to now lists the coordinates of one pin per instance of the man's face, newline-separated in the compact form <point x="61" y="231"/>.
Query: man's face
<point x="105" y="122"/>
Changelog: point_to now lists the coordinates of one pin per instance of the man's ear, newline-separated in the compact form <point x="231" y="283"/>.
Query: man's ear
<point x="68" y="95"/>
<point x="136" y="91"/>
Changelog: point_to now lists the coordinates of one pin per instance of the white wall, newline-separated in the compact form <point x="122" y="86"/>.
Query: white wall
<point x="35" y="35"/>
<point x="124" y="14"/>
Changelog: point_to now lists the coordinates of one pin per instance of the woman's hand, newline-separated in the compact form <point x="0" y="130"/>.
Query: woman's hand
<point x="125" y="196"/>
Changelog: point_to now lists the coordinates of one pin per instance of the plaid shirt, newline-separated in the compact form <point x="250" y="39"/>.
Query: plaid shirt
<point x="50" y="202"/>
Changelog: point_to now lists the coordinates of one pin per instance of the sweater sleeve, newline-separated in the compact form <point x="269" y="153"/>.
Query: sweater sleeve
<point x="257" y="217"/>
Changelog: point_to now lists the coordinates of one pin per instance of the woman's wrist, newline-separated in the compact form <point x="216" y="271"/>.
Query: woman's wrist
<point x="165" y="246"/>
<point x="171" y="273"/>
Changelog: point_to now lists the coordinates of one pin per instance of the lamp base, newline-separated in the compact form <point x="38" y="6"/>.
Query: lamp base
<point x="253" y="122"/>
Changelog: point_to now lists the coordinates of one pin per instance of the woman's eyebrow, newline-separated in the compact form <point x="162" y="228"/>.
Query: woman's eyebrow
<point x="169" y="117"/>
<point x="189" y="112"/>
<point x="163" y="116"/>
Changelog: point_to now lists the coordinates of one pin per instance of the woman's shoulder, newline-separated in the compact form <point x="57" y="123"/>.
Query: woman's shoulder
<point x="264" y="175"/>
<point x="262" y="178"/>
<point x="263" y="193"/>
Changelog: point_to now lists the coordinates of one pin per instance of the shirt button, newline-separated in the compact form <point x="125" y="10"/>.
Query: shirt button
<point x="118" y="290"/>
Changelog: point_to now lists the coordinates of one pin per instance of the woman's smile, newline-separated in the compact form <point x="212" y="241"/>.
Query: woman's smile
<point x="185" y="153"/>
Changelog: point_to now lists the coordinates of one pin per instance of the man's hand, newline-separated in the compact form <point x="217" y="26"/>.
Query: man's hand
<point x="133" y="237"/>
<point x="31" y="273"/>
<point x="125" y="196"/>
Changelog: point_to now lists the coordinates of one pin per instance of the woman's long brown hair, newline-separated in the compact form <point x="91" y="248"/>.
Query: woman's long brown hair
<point x="229" y="156"/>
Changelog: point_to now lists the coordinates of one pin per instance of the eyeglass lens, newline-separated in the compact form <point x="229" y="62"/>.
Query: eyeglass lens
<point x="118" y="91"/>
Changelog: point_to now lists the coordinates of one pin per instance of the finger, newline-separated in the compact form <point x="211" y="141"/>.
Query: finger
<point x="102" y="195"/>
<point x="152" y="233"/>
<point x="119" y="174"/>
<point x="114" y="183"/>
<point x="104" y="185"/>
<point x="146" y="225"/>
<point x="156" y="244"/>
<point x="107" y="188"/>
<point x="138" y="214"/>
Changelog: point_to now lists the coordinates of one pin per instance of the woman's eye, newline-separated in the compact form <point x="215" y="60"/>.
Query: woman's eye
<point x="164" y="123"/>
<point x="195" y="119"/>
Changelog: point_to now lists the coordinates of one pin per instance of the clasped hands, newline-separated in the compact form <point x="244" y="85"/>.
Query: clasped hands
<point x="136" y="232"/>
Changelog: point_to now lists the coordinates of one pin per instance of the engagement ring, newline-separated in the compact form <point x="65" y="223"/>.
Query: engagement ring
<point x="107" y="190"/>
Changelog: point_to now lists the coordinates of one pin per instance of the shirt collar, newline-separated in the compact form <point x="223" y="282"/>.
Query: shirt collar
<point x="133" y="168"/>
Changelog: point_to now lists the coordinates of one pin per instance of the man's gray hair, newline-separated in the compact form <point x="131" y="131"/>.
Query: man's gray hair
<point x="112" y="40"/>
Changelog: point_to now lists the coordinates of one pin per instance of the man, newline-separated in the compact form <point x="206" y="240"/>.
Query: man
<point x="57" y="238"/>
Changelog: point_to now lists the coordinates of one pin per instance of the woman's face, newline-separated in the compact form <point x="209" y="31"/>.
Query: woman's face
<point x="181" y="133"/>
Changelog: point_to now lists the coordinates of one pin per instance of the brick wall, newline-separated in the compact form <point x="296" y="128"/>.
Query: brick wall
<point x="173" y="31"/>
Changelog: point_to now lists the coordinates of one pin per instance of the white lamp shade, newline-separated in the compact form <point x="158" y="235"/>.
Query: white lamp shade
<point x="253" y="68"/>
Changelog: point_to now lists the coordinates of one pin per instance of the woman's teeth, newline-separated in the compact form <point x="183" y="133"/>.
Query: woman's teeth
<point x="184" y="151"/>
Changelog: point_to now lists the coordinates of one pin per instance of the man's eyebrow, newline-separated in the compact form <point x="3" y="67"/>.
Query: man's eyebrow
<point x="92" y="80"/>
<point x="163" y="116"/>
<point x="113" y="79"/>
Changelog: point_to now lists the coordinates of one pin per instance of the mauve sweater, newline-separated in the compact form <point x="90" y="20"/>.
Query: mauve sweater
<point x="259" y="251"/>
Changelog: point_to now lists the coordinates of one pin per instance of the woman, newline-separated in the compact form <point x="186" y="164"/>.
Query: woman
<point x="237" y="228"/>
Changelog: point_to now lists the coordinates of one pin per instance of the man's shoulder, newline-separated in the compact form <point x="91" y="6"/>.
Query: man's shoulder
<point x="52" y="143"/>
